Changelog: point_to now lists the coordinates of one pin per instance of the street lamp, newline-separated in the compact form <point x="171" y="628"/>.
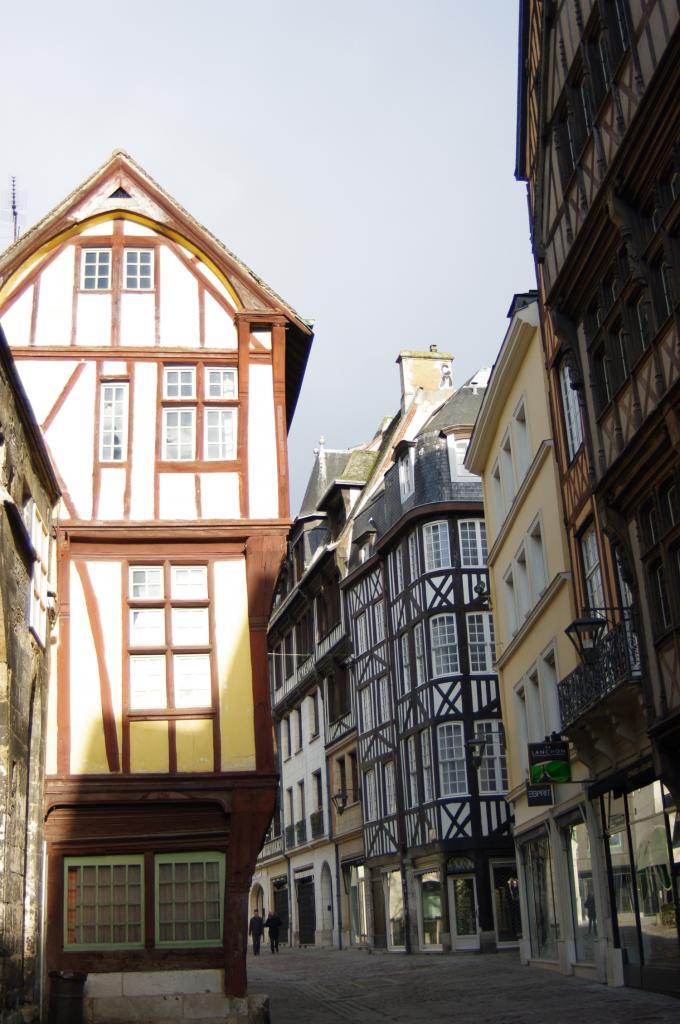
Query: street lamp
<point x="475" y="748"/>
<point x="585" y="634"/>
<point x="339" y="800"/>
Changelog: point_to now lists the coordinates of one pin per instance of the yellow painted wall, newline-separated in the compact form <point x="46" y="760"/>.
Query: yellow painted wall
<point x="149" y="747"/>
<point x="235" y="675"/>
<point x="194" y="745"/>
<point x="88" y="753"/>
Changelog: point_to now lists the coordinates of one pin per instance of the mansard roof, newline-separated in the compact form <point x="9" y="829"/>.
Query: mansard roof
<point x="462" y="407"/>
<point x="122" y="187"/>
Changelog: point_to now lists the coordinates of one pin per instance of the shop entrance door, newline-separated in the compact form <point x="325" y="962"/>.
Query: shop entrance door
<point x="281" y="908"/>
<point x="306" y="911"/>
<point x="463" y="909"/>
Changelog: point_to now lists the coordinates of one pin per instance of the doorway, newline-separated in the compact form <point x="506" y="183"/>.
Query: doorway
<point x="464" y="915"/>
<point x="306" y="911"/>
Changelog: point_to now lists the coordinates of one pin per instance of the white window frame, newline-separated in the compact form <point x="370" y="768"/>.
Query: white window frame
<point x="538" y="574"/>
<point x="521" y="442"/>
<point x="226" y="428"/>
<point x="135" y="272"/>
<point x="184" y="445"/>
<point x="406" y="467"/>
<point x="413" y="556"/>
<point x="227" y="383"/>
<point x="398" y="570"/>
<point x="457" y="450"/>
<point x="453" y="779"/>
<point x="370" y="795"/>
<point x="445" y="652"/>
<point x="185" y="386"/>
<point x="113" y="425"/>
<point x="592" y="572"/>
<point x="390" y="788"/>
<point x="384" y="699"/>
<point x="437" y="545"/>
<point x="426" y="756"/>
<point x="366" y="704"/>
<point x="405" y="664"/>
<point x="472" y="530"/>
<point x="419" y="646"/>
<point x="571" y="409"/>
<point x="492" y="775"/>
<point x="362" y="632"/>
<point x="98" y="264"/>
<point x="411" y="772"/>
<point x="484" y="650"/>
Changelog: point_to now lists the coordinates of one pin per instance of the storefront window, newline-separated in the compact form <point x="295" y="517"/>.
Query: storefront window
<point x="582" y="892"/>
<point x="622" y="877"/>
<point x="464" y="900"/>
<point x="395" y="910"/>
<point x="543" y="926"/>
<point x="431" y="908"/>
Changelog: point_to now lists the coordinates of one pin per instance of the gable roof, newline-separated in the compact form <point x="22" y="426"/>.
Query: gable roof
<point x="121" y="186"/>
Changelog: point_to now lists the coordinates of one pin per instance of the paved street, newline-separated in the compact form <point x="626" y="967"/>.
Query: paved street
<point x="327" y="986"/>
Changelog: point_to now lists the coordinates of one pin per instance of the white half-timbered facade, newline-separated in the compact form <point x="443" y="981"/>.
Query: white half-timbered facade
<point x="164" y="374"/>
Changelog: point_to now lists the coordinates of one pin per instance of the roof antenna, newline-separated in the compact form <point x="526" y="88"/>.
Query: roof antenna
<point x="11" y="207"/>
<point x="15" y="208"/>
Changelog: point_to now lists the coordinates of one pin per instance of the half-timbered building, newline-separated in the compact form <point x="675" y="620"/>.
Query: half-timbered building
<point x="438" y="852"/>
<point x="164" y="374"/>
<point x="598" y="130"/>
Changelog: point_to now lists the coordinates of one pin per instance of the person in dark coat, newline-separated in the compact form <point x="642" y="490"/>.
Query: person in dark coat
<point x="273" y="923"/>
<point x="255" y="928"/>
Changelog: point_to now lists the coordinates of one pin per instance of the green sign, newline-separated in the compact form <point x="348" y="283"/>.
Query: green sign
<point x="549" y="762"/>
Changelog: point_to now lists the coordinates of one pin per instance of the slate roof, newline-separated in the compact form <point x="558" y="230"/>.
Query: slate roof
<point x="462" y="407"/>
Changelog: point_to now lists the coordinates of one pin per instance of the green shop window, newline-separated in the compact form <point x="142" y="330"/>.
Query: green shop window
<point x="104" y="902"/>
<point x="189" y="899"/>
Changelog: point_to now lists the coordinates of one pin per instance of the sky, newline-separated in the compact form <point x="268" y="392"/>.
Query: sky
<point x="358" y="156"/>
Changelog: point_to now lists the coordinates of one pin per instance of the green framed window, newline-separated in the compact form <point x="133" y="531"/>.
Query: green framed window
<point x="104" y="902"/>
<point x="189" y="898"/>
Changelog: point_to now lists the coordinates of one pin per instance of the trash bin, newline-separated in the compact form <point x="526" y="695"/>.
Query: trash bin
<point x="66" y="997"/>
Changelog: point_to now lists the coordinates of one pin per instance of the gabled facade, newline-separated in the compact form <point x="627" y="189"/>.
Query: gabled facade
<point x="29" y="492"/>
<point x="599" y="122"/>
<point x="439" y="868"/>
<point x="163" y="373"/>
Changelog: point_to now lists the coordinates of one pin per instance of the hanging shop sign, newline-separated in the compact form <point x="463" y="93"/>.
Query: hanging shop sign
<point x="539" y="796"/>
<point x="549" y="763"/>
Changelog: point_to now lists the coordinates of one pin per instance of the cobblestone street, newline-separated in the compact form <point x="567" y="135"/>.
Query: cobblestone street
<point x="326" y="986"/>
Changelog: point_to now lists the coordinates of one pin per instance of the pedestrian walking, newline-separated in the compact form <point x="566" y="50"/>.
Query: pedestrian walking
<point x="591" y="911"/>
<point x="273" y="923"/>
<point x="255" y="928"/>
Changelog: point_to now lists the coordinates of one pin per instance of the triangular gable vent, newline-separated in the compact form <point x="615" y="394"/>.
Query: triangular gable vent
<point x="120" y="193"/>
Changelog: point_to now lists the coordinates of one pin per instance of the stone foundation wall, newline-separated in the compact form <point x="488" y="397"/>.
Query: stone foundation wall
<point x="166" y="997"/>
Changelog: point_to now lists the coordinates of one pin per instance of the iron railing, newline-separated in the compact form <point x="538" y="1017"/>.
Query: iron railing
<point x="316" y="823"/>
<point x="616" y="660"/>
<point x="301" y="831"/>
<point x="290" y="836"/>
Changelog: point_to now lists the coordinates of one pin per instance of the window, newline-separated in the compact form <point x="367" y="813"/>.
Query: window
<point x="287" y="739"/>
<point x="113" y="429"/>
<point x="507" y="470"/>
<point x="670" y="506"/>
<point x="371" y="804"/>
<point x="510" y="602"/>
<point x="315" y="713"/>
<point x="536" y="552"/>
<point x="366" y="703"/>
<point x="138" y="273"/>
<point x="591" y="569"/>
<point x="179" y="432"/>
<point x="481" y="641"/>
<point x="37" y="605"/>
<point x="444" y="644"/>
<point x="361" y="630"/>
<point x="169" y="671"/>
<point x="660" y="595"/>
<point x="473" y="550"/>
<point x="298" y="720"/>
<point x="413" y="559"/>
<point x="457" y="449"/>
<point x="452" y="772"/>
<point x="220" y="429"/>
<point x="406" y="480"/>
<point x="186" y="407"/>
<point x="397" y="571"/>
<point x="318" y="791"/>
<point x="379" y="619"/>
<point x="521" y="582"/>
<point x="571" y="410"/>
<point x="420" y="653"/>
<point x="521" y="439"/>
<point x="221" y="382"/>
<point x="104" y="902"/>
<point x="405" y="664"/>
<point x="390" y="791"/>
<point x="493" y="772"/>
<point x="437" y="549"/>
<point x="95" y="269"/>
<point x="426" y="754"/>
<point x="411" y="773"/>
<point x="643" y="316"/>
<point x="384" y="703"/>
<point x="189" y="899"/>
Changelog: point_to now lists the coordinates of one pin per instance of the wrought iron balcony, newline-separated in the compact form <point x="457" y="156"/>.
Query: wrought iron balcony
<point x="615" y="661"/>
<point x="316" y="823"/>
<point x="301" y="831"/>
<point x="290" y="836"/>
<point x="272" y="846"/>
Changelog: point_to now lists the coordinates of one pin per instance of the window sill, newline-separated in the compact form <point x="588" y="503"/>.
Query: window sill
<point x="162" y="714"/>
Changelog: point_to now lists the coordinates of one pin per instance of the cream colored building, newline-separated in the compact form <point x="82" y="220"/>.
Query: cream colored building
<point x="512" y="450"/>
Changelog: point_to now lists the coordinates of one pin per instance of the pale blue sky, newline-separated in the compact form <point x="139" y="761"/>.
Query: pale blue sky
<point x="358" y="156"/>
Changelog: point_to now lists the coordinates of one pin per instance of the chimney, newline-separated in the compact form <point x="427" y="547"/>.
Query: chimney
<point x="432" y="371"/>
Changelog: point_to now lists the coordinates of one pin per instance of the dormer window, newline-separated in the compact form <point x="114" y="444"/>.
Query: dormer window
<point x="406" y="475"/>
